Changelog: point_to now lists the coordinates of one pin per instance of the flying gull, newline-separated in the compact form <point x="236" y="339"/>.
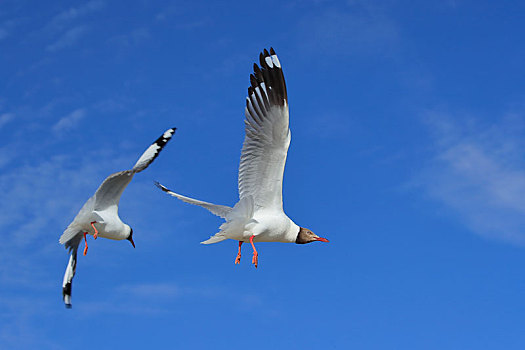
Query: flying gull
<point x="259" y="215"/>
<point x="99" y="215"/>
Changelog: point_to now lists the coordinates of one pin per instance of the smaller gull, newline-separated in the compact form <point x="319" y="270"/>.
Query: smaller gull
<point x="99" y="215"/>
<point x="259" y="214"/>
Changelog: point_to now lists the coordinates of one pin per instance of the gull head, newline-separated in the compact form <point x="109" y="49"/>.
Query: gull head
<point x="130" y="235"/>
<point x="306" y="236"/>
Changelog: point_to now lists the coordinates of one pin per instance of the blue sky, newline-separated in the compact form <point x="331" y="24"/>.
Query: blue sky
<point x="408" y="153"/>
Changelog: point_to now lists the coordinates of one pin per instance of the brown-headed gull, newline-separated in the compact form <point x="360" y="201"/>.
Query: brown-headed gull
<point x="99" y="215"/>
<point x="259" y="215"/>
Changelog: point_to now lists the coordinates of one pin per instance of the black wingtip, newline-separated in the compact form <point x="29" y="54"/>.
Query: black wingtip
<point x="270" y="73"/>
<point x="262" y="62"/>
<point x="253" y="81"/>
<point x="160" y="186"/>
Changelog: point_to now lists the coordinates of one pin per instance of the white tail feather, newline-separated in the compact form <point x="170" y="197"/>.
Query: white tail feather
<point x="219" y="237"/>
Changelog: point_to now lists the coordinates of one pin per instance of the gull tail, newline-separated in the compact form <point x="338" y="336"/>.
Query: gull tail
<point x="236" y="220"/>
<point x="219" y="210"/>
<point x="71" y="268"/>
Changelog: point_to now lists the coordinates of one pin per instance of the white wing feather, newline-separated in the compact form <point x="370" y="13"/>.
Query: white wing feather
<point x="219" y="210"/>
<point x="267" y="137"/>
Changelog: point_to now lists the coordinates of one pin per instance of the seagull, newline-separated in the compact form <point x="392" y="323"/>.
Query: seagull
<point x="259" y="214"/>
<point x="99" y="215"/>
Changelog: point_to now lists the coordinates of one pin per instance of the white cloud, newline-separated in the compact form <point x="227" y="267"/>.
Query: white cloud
<point x="70" y="120"/>
<point x="479" y="172"/>
<point x="67" y="23"/>
<point x="67" y="39"/>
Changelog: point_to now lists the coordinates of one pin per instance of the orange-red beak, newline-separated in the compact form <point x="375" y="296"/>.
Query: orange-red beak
<point x="321" y="239"/>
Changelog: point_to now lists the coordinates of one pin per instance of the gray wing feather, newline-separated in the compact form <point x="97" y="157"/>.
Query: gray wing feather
<point x="111" y="189"/>
<point x="219" y="210"/>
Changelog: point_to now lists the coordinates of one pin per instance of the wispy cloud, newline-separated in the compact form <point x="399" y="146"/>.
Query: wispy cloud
<point x="71" y="14"/>
<point x="153" y="291"/>
<point x="70" y="120"/>
<point x="354" y="29"/>
<point x="478" y="170"/>
<point x="39" y="197"/>
<point x="7" y="27"/>
<point x="167" y="12"/>
<point x="67" y="39"/>
<point x="5" y="118"/>
<point x="20" y="318"/>
<point x="135" y="37"/>
<point x="164" y="297"/>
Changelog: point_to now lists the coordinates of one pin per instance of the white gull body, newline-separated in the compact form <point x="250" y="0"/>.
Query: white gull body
<point x="259" y="214"/>
<point x="101" y="212"/>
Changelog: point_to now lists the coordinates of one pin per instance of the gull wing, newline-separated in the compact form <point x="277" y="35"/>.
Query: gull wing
<point x="268" y="134"/>
<point x="71" y="268"/>
<point x="109" y="192"/>
<point x="219" y="210"/>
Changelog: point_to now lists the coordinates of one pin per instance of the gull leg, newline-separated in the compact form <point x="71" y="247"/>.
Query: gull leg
<point x="96" y="231"/>
<point x="85" y="240"/>
<point x="255" y="258"/>
<point x="238" y="258"/>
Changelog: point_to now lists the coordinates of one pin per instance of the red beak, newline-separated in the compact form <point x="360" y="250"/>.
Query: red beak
<point x="321" y="239"/>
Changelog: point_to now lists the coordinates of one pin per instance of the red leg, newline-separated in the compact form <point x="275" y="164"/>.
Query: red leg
<point x="85" y="240"/>
<point x="238" y="258"/>
<point x="255" y="258"/>
<point x="96" y="231"/>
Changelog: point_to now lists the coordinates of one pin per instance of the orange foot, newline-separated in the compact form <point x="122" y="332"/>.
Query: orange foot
<point x="255" y="258"/>
<point x="96" y="231"/>
<point x="238" y="258"/>
<point x="85" y="240"/>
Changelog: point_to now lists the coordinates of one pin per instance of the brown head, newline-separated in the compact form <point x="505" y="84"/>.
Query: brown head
<point x="306" y="236"/>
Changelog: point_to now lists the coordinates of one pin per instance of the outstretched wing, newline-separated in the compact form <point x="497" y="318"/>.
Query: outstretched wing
<point x="219" y="210"/>
<point x="267" y="134"/>
<point x="109" y="192"/>
<point x="153" y="151"/>
<point x="71" y="268"/>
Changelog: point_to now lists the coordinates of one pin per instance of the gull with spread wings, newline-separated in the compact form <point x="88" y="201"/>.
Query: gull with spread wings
<point x="259" y="215"/>
<point x="99" y="215"/>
